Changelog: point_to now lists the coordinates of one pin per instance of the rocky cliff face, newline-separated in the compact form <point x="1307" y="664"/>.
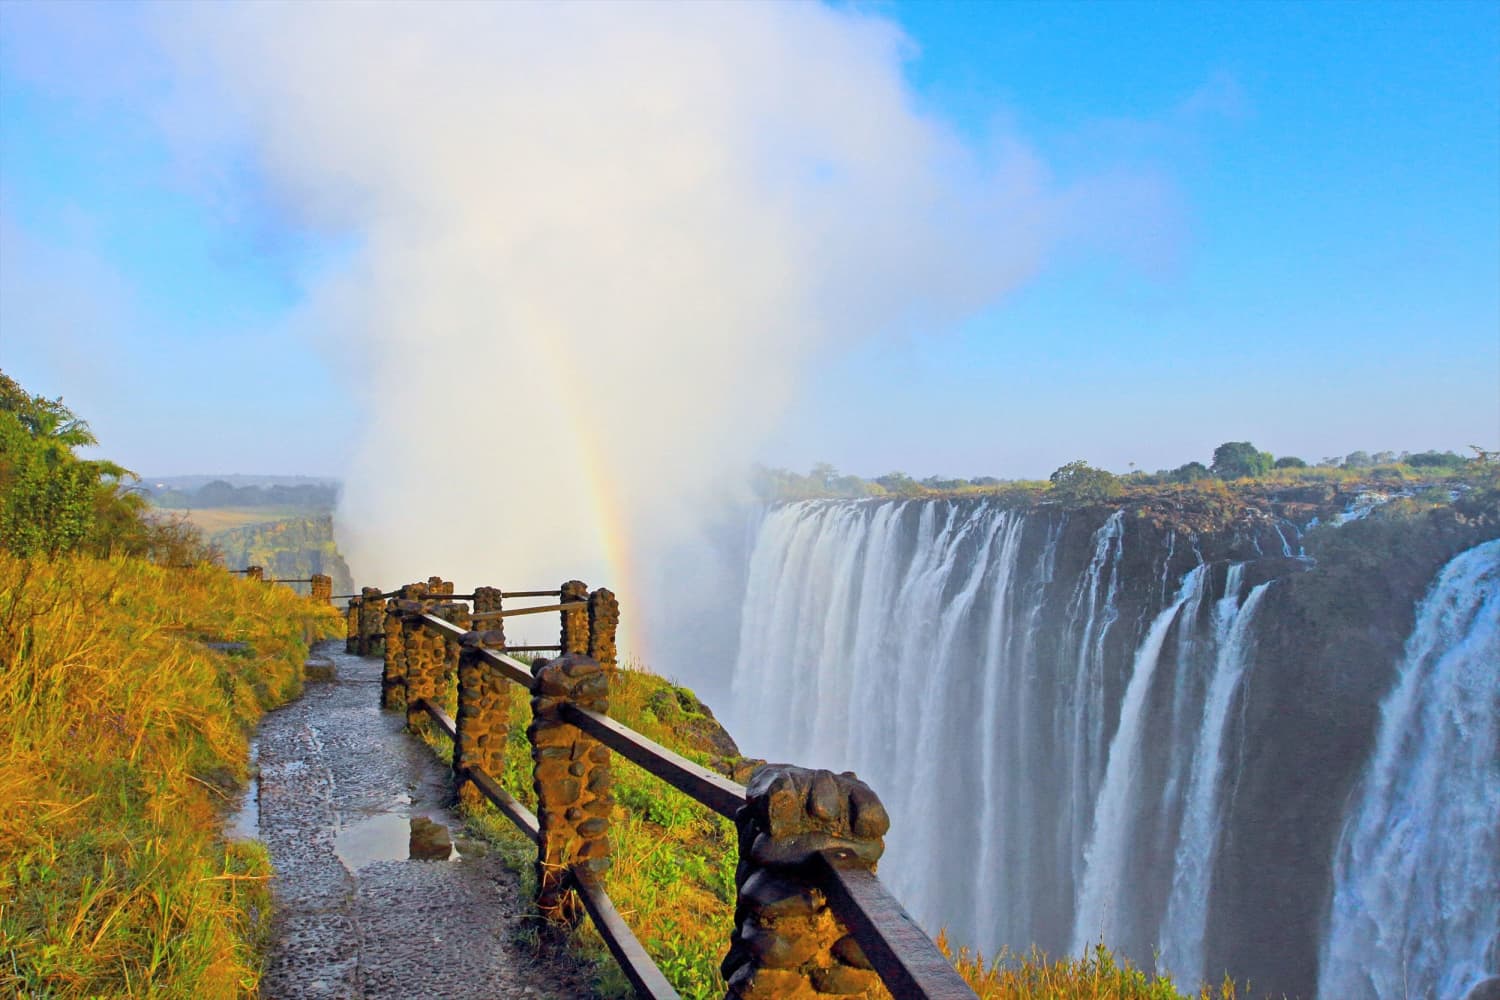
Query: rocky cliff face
<point x="1141" y="722"/>
<point x="291" y="548"/>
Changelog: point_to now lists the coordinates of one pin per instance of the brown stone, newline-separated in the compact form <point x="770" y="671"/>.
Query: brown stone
<point x="842" y="980"/>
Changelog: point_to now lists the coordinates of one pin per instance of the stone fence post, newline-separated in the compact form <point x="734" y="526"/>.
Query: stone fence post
<point x="490" y="599"/>
<point x="424" y="660"/>
<point x="604" y="620"/>
<point x="371" y="620"/>
<point x="575" y="623"/>
<point x="322" y="588"/>
<point x="572" y="779"/>
<point x="483" y="718"/>
<point x="255" y="573"/>
<point x="351" y="626"/>
<point x="786" y="940"/>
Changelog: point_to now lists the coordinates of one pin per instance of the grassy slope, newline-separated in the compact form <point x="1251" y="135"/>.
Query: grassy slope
<point x="124" y="737"/>
<point x="674" y="860"/>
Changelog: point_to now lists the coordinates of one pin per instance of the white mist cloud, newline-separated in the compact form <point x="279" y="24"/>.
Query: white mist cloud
<point x="600" y="248"/>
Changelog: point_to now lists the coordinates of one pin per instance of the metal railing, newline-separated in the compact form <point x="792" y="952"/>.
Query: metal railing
<point x="890" y="943"/>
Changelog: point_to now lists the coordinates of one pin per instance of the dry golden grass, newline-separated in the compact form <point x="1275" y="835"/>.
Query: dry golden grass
<point x="1097" y="975"/>
<point x="124" y="738"/>
<point x="213" y="520"/>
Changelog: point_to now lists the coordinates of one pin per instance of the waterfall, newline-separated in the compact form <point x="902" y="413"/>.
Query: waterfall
<point x="1416" y="898"/>
<point x="1185" y="925"/>
<point x="1102" y="912"/>
<point x="1066" y="716"/>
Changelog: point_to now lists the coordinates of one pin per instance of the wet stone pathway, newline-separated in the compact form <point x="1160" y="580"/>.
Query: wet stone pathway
<point x="376" y="895"/>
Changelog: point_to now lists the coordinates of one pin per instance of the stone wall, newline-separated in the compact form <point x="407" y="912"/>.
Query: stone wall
<point x="322" y="588"/>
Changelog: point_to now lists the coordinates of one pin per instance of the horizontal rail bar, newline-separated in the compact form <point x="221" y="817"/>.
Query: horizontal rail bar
<point x="908" y="962"/>
<point x="440" y="717"/>
<point x="623" y="944"/>
<point x="532" y="649"/>
<point x="518" y="814"/>
<point x="713" y="790"/>
<point x="509" y="667"/>
<point x="508" y="612"/>
<point x="529" y="593"/>
<point x="286" y="580"/>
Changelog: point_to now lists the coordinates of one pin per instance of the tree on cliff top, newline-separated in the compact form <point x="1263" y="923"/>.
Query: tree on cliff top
<point x="1080" y="482"/>
<point x="1241" y="460"/>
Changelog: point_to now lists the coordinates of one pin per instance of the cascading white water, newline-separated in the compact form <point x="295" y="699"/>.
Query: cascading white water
<point x="1102" y="911"/>
<point x="1054" y="708"/>
<point x="1184" y="927"/>
<point x="1416" y="899"/>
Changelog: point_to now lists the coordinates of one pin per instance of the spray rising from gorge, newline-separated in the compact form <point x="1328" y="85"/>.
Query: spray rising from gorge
<point x="594" y="250"/>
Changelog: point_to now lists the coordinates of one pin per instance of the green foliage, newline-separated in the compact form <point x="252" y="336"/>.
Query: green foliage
<point x="53" y="502"/>
<point x="1190" y="472"/>
<point x="1241" y="460"/>
<point x="1435" y="460"/>
<point x="1290" y="462"/>
<point x="1080" y="482"/>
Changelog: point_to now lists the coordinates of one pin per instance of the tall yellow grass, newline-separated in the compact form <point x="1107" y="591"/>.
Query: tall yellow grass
<point x="122" y="737"/>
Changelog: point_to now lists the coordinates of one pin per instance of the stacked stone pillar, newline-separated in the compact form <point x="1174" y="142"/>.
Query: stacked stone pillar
<point x="572" y="779"/>
<point x="371" y="621"/>
<point x="487" y="599"/>
<point x="431" y="659"/>
<point x="255" y="573"/>
<point x="351" y="626"/>
<point x="483" y="711"/>
<point x="575" y="622"/>
<point x="786" y="940"/>
<point x="604" y="621"/>
<point x="322" y="588"/>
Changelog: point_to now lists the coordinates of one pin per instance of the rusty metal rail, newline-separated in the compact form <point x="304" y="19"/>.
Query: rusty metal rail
<point x="903" y="956"/>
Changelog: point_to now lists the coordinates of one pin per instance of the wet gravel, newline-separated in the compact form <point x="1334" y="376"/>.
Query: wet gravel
<point x="355" y="916"/>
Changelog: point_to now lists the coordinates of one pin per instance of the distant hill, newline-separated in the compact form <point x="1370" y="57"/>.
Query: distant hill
<point x="188" y="493"/>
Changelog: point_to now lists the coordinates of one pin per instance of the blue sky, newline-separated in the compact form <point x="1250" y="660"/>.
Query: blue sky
<point x="1318" y="269"/>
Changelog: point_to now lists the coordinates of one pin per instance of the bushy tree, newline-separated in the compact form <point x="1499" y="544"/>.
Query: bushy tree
<point x="1241" y="460"/>
<point x="1290" y="462"/>
<point x="1080" y="482"/>
<point x="1189" y="472"/>
<point x="1358" y="460"/>
<point x="52" y="501"/>
<point x="1435" y="460"/>
<point x="900" y="484"/>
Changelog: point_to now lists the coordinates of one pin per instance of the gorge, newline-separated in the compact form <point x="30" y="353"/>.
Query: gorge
<point x="1248" y="734"/>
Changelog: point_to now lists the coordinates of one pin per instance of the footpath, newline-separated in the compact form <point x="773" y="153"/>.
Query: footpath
<point x="376" y="894"/>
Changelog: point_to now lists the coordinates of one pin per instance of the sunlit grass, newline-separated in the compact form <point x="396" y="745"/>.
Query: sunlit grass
<point x="124" y="739"/>
<point x="1097" y="975"/>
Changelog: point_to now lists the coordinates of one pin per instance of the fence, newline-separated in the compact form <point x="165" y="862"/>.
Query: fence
<point x="320" y="586"/>
<point x="811" y="917"/>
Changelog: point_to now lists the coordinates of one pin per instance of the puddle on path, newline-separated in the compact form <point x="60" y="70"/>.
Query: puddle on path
<point x="244" y="822"/>
<point x="393" y="837"/>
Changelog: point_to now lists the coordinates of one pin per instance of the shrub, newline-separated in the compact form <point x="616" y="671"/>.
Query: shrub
<point x="1240" y="460"/>
<point x="1082" y="483"/>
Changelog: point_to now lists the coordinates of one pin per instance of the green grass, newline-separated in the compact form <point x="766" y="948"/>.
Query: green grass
<point x="125" y="738"/>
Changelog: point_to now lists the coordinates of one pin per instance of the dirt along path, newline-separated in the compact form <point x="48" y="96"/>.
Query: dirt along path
<point x="371" y="901"/>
